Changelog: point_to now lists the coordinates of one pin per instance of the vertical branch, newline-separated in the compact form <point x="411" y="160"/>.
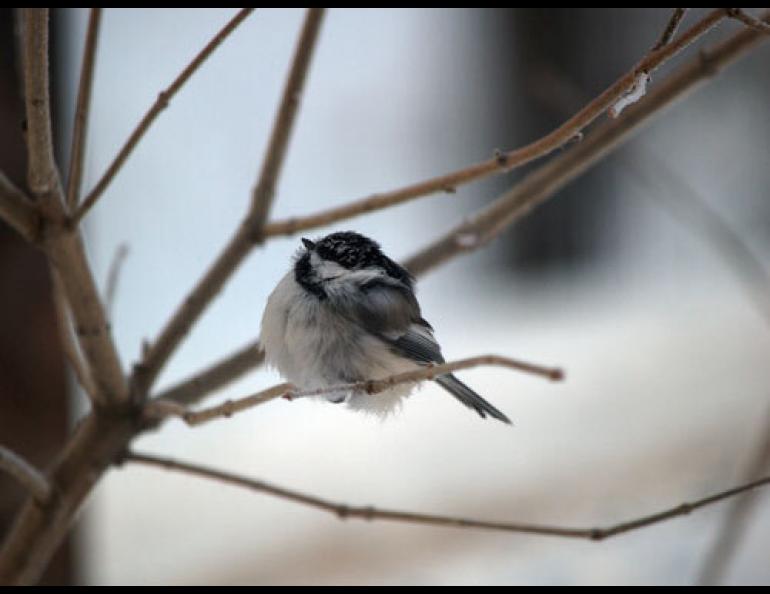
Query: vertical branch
<point x="264" y="191"/>
<point x="77" y="151"/>
<point x="64" y="248"/>
<point x="41" y="168"/>
<point x="249" y="233"/>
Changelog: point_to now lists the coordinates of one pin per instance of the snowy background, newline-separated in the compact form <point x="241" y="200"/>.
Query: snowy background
<point x="667" y="381"/>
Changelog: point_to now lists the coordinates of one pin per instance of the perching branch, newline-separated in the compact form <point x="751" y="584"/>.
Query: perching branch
<point x="217" y="375"/>
<point x="344" y="511"/>
<point x="17" y="211"/>
<point x="544" y="182"/>
<point x="77" y="150"/>
<point x="163" y="100"/>
<point x="371" y="387"/>
<point x="25" y="474"/>
<point x="249" y="232"/>
<point x="505" y="162"/>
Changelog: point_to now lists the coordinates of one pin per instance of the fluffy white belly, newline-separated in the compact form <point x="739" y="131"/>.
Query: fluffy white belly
<point x="314" y="347"/>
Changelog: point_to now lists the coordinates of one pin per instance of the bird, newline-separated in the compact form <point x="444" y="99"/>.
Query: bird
<point x="345" y="313"/>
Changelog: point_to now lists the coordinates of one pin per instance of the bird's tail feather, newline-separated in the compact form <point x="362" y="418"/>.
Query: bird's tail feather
<point x="469" y="398"/>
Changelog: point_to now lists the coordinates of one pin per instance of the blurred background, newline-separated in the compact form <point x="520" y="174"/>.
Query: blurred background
<point x="630" y="279"/>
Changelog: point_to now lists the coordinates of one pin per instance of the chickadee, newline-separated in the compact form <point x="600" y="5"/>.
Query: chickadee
<point x="347" y="313"/>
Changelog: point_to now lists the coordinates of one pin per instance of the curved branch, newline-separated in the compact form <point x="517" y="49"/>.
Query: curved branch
<point x="344" y="511"/>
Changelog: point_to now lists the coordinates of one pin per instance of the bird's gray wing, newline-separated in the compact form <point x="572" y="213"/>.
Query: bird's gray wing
<point x="389" y="310"/>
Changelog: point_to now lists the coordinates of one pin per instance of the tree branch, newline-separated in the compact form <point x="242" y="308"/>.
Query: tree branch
<point x="25" y="474"/>
<point x="42" y="177"/>
<point x="748" y="20"/>
<point x="671" y="27"/>
<point x="218" y="375"/>
<point x="551" y="177"/>
<point x="164" y="97"/>
<point x="17" y="211"/>
<point x="249" y="233"/>
<point x="77" y="150"/>
<point x="69" y="345"/>
<point x="505" y="162"/>
<point x="264" y="192"/>
<point x="371" y="387"/>
<point x="344" y="511"/>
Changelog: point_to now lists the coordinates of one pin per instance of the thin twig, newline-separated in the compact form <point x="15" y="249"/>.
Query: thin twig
<point x="215" y="376"/>
<point x="42" y="177"/>
<point x="164" y="97"/>
<point x="344" y="511"/>
<point x="544" y="182"/>
<point x="113" y="277"/>
<point x="77" y="150"/>
<point x="25" y="474"/>
<point x="371" y="387"/>
<point x="504" y="162"/>
<point x="17" y="211"/>
<point x="748" y="20"/>
<point x="670" y="31"/>
<point x="69" y="345"/>
<point x="249" y="233"/>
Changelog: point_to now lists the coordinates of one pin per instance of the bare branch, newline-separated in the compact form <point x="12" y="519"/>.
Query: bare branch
<point x="748" y="20"/>
<point x="249" y="233"/>
<point x="670" y="30"/>
<point x="69" y="345"/>
<point x="545" y="181"/>
<point x="164" y="97"/>
<point x="25" y="474"/>
<point x="264" y="192"/>
<point x="17" y="211"/>
<point x="65" y="249"/>
<point x="215" y="376"/>
<point x="371" y="387"/>
<point x="344" y="511"/>
<point x="113" y="277"/>
<point x="505" y="162"/>
<point x="77" y="150"/>
<point x="42" y="177"/>
<point x="101" y="438"/>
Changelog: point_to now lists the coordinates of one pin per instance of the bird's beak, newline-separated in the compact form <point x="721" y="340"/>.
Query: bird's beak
<point x="308" y="244"/>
